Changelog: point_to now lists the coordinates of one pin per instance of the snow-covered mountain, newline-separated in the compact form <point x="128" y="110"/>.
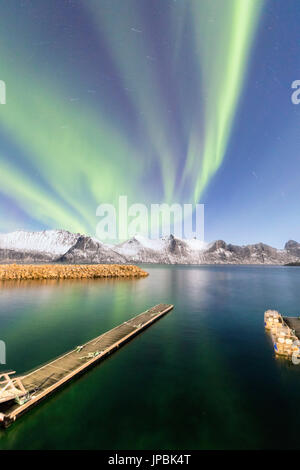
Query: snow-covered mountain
<point x="172" y="250"/>
<point x="63" y="246"/>
<point x="220" y="252"/>
<point x="167" y="250"/>
<point x="90" y="250"/>
<point x="53" y="242"/>
<point x="55" y="246"/>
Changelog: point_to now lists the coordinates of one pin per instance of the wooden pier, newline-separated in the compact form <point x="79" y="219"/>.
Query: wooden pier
<point x="44" y="380"/>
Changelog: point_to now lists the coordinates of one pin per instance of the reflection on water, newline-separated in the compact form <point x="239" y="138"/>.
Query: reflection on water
<point x="202" y="377"/>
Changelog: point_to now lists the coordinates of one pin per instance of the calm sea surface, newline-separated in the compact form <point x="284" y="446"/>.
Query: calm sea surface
<point x="203" y="377"/>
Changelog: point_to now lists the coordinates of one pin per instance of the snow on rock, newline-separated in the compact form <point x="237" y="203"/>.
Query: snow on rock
<point x="91" y="250"/>
<point x="54" y="242"/>
<point x="60" y="245"/>
<point x="167" y="250"/>
<point x="195" y="244"/>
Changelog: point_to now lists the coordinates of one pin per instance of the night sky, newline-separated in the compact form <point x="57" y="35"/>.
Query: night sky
<point x="177" y="101"/>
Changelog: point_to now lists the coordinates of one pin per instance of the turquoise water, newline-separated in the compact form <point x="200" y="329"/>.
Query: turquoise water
<point x="203" y="377"/>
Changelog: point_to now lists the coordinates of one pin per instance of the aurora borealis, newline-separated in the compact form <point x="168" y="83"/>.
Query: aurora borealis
<point x="234" y="24"/>
<point x="163" y="101"/>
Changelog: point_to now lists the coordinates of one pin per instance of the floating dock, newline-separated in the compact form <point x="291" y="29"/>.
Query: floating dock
<point x="294" y="324"/>
<point x="28" y="390"/>
<point x="285" y="334"/>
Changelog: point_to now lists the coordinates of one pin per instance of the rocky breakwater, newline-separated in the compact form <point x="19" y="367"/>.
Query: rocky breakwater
<point x="48" y="271"/>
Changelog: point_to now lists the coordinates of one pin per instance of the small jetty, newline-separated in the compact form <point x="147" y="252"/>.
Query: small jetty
<point x="19" y="394"/>
<point x="285" y="334"/>
<point x="17" y="272"/>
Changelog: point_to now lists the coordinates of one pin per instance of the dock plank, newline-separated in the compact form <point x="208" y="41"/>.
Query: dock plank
<point x="45" y="379"/>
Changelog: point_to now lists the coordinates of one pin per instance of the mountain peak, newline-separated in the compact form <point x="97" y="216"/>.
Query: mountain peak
<point x="61" y="245"/>
<point x="291" y="244"/>
<point x="56" y="242"/>
<point x="293" y="248"/>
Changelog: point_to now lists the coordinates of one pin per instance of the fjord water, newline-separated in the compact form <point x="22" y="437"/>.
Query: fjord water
<point x="202" y="377"/>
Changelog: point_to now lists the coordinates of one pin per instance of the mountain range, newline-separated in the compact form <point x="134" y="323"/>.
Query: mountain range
<point x="63" y="246"/>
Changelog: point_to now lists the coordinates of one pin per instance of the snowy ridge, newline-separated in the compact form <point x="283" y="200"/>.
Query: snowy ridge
<point x="63" y="246"/>
<point x="162" y="243"/>
<point x="54" y="242"/>
<point x="166" y="250"/>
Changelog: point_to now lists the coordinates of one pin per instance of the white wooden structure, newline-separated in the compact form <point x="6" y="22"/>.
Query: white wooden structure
<point x="10" y="388"/>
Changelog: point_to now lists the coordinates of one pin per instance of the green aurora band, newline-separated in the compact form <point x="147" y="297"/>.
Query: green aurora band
<point x="76" y="156"/>
<point x="223" y="70"/>
<point x="72" y="159"/>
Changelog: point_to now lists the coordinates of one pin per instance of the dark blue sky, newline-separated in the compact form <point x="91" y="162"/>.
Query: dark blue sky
<point x="255" y="194"/>
<point x="161" y="100"/>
